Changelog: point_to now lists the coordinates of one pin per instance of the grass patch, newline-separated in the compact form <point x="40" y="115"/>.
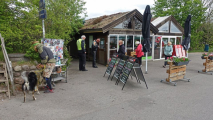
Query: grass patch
<point x="201" y="50"/>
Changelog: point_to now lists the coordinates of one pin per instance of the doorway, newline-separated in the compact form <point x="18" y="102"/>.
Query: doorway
<point x="164" y="41"/>
<point x="101" y="53"/>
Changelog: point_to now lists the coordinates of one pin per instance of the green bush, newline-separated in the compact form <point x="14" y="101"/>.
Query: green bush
<point x="32" y="54"/>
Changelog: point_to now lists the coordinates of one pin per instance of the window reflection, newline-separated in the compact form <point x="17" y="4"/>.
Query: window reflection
<point x="129" y="42"/>
<point x="101" y="44"/>
<point x="178" y="41"/>
<point x="113" y="42"/>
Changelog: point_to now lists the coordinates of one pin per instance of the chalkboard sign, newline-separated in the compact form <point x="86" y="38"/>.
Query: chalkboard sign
<point x="126" y="71"/>
<point x="138" y="74"/>
<point x="118" y="69"/>
<point x="110" y="67"/>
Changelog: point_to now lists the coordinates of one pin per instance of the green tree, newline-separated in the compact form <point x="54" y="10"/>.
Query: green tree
<point x="20" y="23"/>
<point x="180" y="9"/>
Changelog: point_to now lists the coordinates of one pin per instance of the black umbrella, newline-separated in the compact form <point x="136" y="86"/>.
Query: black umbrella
<point x="146" y="29"/>
<point x="187" y="33"/>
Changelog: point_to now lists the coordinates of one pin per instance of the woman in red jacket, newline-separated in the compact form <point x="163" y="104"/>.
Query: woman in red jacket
<point x="139" y="52"/>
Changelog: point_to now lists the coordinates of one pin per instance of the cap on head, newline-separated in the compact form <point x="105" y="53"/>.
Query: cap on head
<point x="35" y="43"/>
<point x="137" y="42"/>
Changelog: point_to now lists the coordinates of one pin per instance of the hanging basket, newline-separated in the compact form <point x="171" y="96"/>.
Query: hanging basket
<point x="181" y="63"/>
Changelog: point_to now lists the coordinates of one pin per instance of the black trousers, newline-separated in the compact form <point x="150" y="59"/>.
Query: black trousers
<point x="166" y="56"/>
<point x="94" y="58"/>
<point x="82" y="61"/>
<point x="139" y="60"/>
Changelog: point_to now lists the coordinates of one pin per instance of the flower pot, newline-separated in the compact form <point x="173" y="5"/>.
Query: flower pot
<point x="210" y="58"/>
<point x="203" y="57"/>
<point x="181" y="63"/>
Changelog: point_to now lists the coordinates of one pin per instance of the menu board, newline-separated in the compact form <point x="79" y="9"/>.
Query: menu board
<point x="119" y="69"/>
<point x="111" y="66"/>
<point x="55" y="45"/>
<point x="126" y="71"/>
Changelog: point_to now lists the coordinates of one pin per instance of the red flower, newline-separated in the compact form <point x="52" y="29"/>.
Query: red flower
<point x="183" y="59"/>
<point x="167" y="57"/>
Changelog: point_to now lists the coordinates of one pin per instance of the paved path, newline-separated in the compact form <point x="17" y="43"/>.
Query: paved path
<point x="89" y="96"/>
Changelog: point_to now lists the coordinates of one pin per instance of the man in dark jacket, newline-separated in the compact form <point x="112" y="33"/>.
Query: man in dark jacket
<point x="81" y="46"/>
<point x="47" y="62"/>
<point x="121" y="51"/>
<point x="94" y="51"/>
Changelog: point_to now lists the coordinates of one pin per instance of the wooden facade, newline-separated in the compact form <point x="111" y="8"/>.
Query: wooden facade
<point x="127" y="24"/>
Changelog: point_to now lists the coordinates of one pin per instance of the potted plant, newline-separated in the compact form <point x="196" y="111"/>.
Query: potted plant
<point x="180" y="61"/>
<point x="204" y="54"/>
<point x="210" y="56"/>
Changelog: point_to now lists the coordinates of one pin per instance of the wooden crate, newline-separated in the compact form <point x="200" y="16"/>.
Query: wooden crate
<point x="175" y="72"/>
<point x="208" y="65"/>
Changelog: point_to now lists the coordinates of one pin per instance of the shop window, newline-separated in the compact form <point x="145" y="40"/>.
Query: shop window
<point x="127" y="24"/>
<point x="174" y="29"/>
<point x="164" y="28"/>
<point x="123" y="38"/>
<point x="129" y="42"/>
<point x="138" y="24"/>
<point x="178" y="40"/>
<point x="90" y="41"/>
<point x="119" y="26"/>
<point x="102" y="43"/>
<point x="113" y="42"/>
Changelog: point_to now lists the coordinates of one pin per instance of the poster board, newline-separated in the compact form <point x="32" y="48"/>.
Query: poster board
<point x="55" y="45"/>
<point x="178" y="51"/>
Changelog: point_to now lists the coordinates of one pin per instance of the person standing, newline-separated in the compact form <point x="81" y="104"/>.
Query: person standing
<point x="94" y="51"/>
<point x="81" y="46"/>
<point x="167" y="52"/>
<point x="47" y="62"/>
<point x="139" y="52"/>
<point x="121" y="50"/>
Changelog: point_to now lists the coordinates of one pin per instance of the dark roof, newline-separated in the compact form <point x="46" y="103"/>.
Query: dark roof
<point x="107" y="22"/>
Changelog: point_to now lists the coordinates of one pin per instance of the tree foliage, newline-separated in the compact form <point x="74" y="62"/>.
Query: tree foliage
<point x="20" y="23"/>
<point x="180" y="9"/>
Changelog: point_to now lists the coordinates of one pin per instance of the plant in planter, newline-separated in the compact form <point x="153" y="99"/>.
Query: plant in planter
<point x="180" y="61"/>
<point x="204" y="54"/>
<point x="169" y="59"/>
<point x="210" y="56"/>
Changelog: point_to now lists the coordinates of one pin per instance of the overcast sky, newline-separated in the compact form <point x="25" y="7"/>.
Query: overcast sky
<point x="96" y="8"/>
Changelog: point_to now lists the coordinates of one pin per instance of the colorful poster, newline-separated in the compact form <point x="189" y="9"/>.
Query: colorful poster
<point x="55" y="45"/>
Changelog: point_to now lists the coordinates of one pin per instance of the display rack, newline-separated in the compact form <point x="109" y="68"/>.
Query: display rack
<point x="175" y="73"/>
<point x="59" y="76"/>
<point x="208" y="66"/>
